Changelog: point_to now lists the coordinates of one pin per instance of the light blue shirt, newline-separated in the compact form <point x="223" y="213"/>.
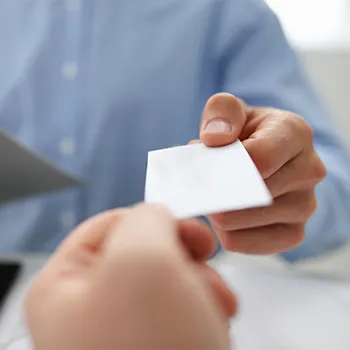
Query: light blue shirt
<point x="94" y="85"/>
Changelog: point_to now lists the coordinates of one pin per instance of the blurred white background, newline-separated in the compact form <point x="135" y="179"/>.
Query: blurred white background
<point x="315" y="24"/>
<point x="320" y="32"/>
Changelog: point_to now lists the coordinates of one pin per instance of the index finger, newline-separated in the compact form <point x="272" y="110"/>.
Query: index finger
<point x="278" y="138"/>
<point x="152" y="227"/>
<point x="144" y="228"/>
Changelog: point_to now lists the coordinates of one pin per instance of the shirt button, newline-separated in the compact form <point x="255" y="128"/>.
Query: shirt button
<point x="73" y="5"/>
<point x="68" y="220"/>
<point x="67" y="147"/>
<point x="69" y="70"/>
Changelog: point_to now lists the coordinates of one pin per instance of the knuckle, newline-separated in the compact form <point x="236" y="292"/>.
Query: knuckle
<point x="309" y="207"/>
<point x="300" y="127"/>
<point x="307" y="131"/>
<point x="298" y="232"/>
<point x="319" y="170"/>
<point x="304" y="206"/>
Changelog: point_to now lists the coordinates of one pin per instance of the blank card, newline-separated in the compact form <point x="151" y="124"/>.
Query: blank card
<point x="196" y="180"/>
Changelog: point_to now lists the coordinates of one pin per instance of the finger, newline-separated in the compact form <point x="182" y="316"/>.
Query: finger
<point x="146" y="239"/>
<point x="304" y="171"/>
<point x="263" y="240"/>
<point x="220" y="290"/>
<point x="197" y="239"/>
<point x="81" y="246"/>
<point x="144" y="229"/>
<point x="84" y="242"/>
<point x="194" y="142"/>
<point x="222" y="120"/>
<point x="294" y="207"/>
<point x="278" y="139"/>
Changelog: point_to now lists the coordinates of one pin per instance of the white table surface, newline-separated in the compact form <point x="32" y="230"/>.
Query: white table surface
<point x="280" y="309"/>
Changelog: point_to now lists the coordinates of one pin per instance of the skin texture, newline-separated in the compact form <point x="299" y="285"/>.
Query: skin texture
<point x="281" y="146"/>
<point x="131" y="279"/>
<point x="137" y="279"/>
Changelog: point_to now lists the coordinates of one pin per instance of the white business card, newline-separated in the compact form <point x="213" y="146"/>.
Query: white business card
<point x="196" y="180"/>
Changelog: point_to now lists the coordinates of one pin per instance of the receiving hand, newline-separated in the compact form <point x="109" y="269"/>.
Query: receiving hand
<point x="131" y="279"/>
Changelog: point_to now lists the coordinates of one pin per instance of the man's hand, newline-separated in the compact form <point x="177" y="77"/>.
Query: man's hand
<point x="281" y="145"/>
<point x="131" y="279"/>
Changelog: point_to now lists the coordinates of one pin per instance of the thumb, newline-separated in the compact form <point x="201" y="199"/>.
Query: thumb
<point x="223" y="119"/>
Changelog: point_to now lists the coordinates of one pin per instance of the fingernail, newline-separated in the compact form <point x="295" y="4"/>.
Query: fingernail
<point x="218" y="127"/>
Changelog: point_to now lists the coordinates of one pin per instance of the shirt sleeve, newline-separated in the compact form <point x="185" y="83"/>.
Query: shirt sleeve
<point x="259" y="66"/>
